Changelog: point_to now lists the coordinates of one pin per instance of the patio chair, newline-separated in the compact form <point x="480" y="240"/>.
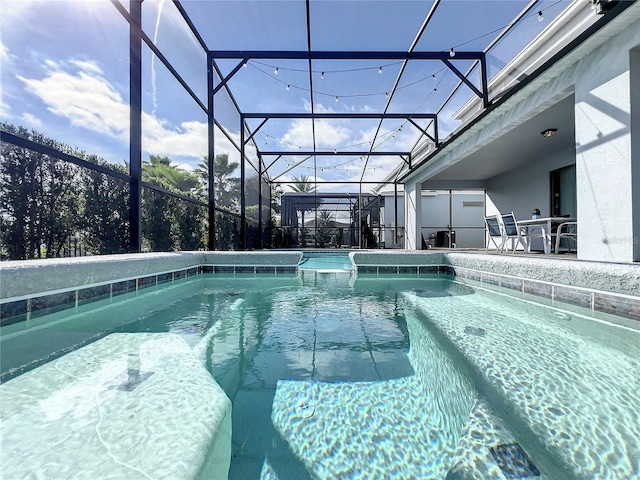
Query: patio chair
<point x="570" y="233"/>
<point x="495" y="231"/>
<point x="515" y="233"/>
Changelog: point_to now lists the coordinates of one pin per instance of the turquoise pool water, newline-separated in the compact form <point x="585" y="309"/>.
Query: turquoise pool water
<point x="336" y="376"/>
<point x="325" y="262"/>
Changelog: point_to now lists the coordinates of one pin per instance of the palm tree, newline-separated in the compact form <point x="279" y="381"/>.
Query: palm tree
<point x="225" y="185"/>
<point x="326" y="227"/>
<point x="160" y="171"/>
<point x="302" y="184"/>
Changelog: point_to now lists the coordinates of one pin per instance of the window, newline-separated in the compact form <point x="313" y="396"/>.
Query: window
<point x="563" y="191"/>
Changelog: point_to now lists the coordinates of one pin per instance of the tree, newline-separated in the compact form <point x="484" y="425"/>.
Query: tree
<point x="168" y="222"/>
<point x="105" y="223"/>
<point x="302" y="184"/>
<point x="40" y="197"/>
<point x="325" y="227"/>
<point x="225" y="186"/>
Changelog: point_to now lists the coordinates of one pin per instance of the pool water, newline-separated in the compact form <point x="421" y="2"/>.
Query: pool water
<point x="326" y="262"/>
<point x="337" y="376"/>
<point x="326" y="383"/>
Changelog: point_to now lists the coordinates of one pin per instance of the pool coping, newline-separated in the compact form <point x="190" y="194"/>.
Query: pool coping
<point x="604" y="288"/>
<point x="33" y="288"/>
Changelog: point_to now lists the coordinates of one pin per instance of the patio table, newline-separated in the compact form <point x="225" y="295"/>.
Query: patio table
<point x="546" y="224"/>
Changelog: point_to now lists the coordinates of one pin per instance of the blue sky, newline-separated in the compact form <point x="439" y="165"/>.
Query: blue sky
<point x="65" y="70"/>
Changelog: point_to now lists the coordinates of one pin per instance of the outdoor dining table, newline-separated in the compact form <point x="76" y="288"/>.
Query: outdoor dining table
<point x="546" y="224"/>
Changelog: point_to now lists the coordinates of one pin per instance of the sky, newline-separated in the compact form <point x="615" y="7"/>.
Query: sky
<point x="65" y="72"/>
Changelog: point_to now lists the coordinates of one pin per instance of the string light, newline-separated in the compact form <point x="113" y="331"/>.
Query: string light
<point x="336" y="98"/>
<point x="452" y="52"/>
<point x="275" y="72"/>
<point x="322" y="76"/>
<point x="540" y="16"/>
<point x="380" y="70"/>
<point x="288" y="87"/>
<point x="370" y="94"/>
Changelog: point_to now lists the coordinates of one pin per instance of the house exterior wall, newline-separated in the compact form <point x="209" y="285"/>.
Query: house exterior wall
<point x="603" y="75"/>
<point x="466" y="219"/>
<point x="604" y="161"/>
<point x="413" y="215"/>
<point x="520" y="191"/>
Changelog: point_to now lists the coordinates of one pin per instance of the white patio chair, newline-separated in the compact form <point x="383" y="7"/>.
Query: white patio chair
<point x="570" y="233"/>
<point x="494" y="229"/>
<point x="515" y="233"/>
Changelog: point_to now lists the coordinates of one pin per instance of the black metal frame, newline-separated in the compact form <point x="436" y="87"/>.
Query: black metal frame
<point x="137" y="36"/>
<point x="245" y="56"/>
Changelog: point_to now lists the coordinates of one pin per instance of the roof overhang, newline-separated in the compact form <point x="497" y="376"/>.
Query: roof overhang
<point x="492" y="143"/>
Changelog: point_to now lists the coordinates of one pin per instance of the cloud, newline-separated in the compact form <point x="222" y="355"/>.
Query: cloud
<point x="189" y="139"/>
<point x="329" y="134"/>
<point x="31" y="120"/>
<point x="77" y="91"/>
<point x="85" y="98"/>
<point x="5" y="109"/>
<point x="87" y="66"/>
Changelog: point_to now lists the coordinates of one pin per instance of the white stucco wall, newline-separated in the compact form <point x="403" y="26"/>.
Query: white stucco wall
<point x="526" y="188"/>
<point x="603" y="151"/>
<point x="607" y="154"/>
<point x="520" y="191"/>
<point x="634" y="58"/>
<point x="390" y="220"/>
<point x="413" y="214"/>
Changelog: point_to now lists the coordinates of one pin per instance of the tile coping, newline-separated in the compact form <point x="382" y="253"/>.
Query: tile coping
<point x="19" y="308"/>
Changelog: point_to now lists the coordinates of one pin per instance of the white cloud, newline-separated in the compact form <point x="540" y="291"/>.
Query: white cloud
<point x="5" y="109"/>
<point x="79" y="92"/>
<point x="87" y="66"/>
<point x="189" y="140"/>
<point x="86" y="99"/>
<point x="329" y="134"/>
<point x="31" y="120"/>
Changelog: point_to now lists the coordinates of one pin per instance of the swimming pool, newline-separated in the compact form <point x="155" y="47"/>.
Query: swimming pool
<point x="375" y="376"/>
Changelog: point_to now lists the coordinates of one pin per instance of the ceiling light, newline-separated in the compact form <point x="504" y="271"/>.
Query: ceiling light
<point x="549" y="132"/>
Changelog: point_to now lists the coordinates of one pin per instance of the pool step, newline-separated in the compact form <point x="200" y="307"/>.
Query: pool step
<point x="488" y="450"/>
<point x="129" y="405"/>
<point x="557" y="382"/>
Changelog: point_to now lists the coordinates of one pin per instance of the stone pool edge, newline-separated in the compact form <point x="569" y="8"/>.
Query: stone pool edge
<point x="36" y="287"/>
